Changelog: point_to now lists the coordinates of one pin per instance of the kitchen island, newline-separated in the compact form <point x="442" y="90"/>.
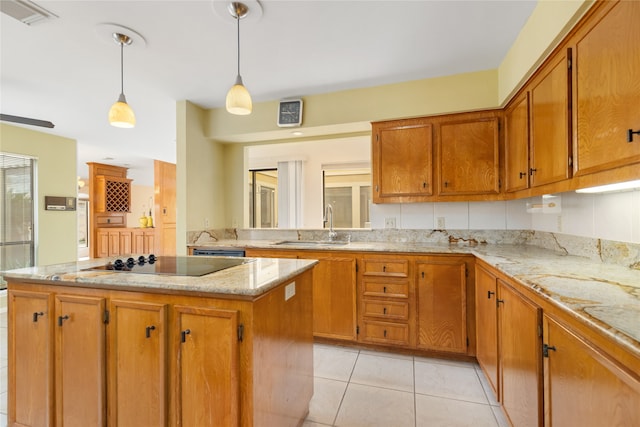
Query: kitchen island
<point x="229" y="348"/>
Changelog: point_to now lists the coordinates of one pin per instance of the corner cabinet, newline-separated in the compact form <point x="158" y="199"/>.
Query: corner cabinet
<point x="402" y="153"/>
<point x="607" y="88"/>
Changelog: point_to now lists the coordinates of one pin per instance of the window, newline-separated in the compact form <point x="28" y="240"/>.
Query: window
<point x="263" y="198"/>
<point x="16" y="212"/>
<point x="349" y="193"/>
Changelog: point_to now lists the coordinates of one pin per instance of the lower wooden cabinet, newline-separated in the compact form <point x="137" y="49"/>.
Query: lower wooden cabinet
<point x="334" y="290"/>
<point x="520" y="341"/>
<point x="138" y="348"/>
<point x="125" y="241"/>
<point x="584" y="386"/>
<point x="441" y="304"/>
<point x="487" y="326"/>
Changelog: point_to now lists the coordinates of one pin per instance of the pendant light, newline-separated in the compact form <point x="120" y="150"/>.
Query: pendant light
<point x="121" y="115"/>
<point x="238" y="98"/>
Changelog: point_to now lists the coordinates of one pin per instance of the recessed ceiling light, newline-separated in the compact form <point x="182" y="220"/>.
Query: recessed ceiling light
<point x="107" y="158"/>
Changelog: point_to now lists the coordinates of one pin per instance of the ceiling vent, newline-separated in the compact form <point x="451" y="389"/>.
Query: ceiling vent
<point x="25" y="11"/>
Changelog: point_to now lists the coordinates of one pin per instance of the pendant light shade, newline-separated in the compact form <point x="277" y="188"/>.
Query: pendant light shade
<point x="238" y="97"/>
<point x="121" y="115"/>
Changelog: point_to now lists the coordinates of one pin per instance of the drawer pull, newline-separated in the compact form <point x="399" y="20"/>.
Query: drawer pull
<point x="384" y="268"/>
<point x="384" y="289"/>
<point x="385" y="333"/>
<point x="184" y="335"/>
<point x="384" y="311"/>
<point x="36" y="314"/>
<point x="630" y="134"/>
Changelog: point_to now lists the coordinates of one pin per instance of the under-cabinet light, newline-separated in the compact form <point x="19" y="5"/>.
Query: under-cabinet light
<point x="620" y="186"/>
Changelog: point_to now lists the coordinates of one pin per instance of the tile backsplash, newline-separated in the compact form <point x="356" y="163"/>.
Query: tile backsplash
<point x="612" y="216"/>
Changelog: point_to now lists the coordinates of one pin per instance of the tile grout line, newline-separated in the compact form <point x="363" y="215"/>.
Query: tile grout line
<point x="335" y="418"/>
<point x="486" y="395"/>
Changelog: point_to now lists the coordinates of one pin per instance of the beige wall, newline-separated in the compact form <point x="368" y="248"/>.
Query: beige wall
<point x="56" y="176"/>
<point x="140" y="202"/>
<point x="200" y="175"/>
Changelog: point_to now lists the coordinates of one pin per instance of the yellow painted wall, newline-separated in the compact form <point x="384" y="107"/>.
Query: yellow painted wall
<point x="56" y="176"/>
<point x="550" y="21"/>
<point x="200" y="175"/>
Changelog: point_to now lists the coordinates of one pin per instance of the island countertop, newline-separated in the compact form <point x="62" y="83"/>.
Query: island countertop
<point x="251" y="279"/>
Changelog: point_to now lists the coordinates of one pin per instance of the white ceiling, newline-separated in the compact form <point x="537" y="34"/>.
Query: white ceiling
<point x="62" y="70"/>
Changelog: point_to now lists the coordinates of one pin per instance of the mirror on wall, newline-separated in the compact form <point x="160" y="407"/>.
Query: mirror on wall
<point x="336" y="171"/>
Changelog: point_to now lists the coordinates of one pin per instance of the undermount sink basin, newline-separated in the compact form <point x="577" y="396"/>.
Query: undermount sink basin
<point x="312" y="243"/>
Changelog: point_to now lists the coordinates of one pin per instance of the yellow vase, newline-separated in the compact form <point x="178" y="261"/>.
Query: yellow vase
<point x="149" y="221"/>
<point x="143" y="222"/>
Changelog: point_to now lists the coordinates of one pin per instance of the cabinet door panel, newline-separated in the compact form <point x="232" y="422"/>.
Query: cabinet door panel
<point x="208" y="366"/>
<point x="516" y="142"/>
<point x="550" y="123"/>
<point x="487" y="326"/>
<point x="334" y="296"/>
<point x="469" y="157"/>
<point x="402" y="161"/>
<point x="138" y="367"/>
<point x="31" y="379"/>
<point x="80" y="361"/>
<point x="607" y="92"/>
<point x="520" y="358"/>
<point x="583" y="386"/>
<point x="441" y="306"/>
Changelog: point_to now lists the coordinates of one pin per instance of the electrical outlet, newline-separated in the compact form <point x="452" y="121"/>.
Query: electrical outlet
<point x="289" y="290"/>
<point x="206" y="223"/>
<point x="390" y="222"/>
<point x="440" y="223"/>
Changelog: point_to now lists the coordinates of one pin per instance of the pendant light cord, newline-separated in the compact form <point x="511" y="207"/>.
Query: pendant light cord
<point x="238" y="19"/>
<point x="121" y="67"/>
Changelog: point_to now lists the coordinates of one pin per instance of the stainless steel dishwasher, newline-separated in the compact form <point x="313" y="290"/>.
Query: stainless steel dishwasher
<point x="219" y="252"/>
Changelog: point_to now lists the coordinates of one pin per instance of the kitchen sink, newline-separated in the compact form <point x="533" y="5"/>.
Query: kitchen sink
<point x="312" y="243"/>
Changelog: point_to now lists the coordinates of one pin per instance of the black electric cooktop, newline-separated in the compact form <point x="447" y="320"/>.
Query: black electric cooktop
<point x="172" y="265"/>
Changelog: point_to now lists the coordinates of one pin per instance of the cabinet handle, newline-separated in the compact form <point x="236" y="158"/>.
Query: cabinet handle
<point x="499" y="301"/>
<point x="630" y="134"/>
<point x="384" y="289"/>
<point x="385" y="333"/>
<point x="489" y="293"/>
<point x="36" y="314"/>
<point x="423" y="274"/>
<point x="148" y="330"/>
<point x="522" y="174"/>
<point x="446" y="184"/>
<point x="384" y="268"/>
<point x="62" y="319"/>
<point x="184" y="335"/>
<point x="546" y="348"/>
<point x="384" y="311"/>
<point x="424" y="185"/>
<point x="532" y="171"/>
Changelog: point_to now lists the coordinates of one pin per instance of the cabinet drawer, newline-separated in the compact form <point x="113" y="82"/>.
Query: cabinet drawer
<point x="110" y="220"/>
<point x="392" y="268"/>
<point x="385" y="289"/>
<point x="386" y="332"/>
<point x="392" y="310"/>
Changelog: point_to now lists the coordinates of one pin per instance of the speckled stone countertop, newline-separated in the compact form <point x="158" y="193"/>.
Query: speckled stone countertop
<point x="255" y="277"/>
<point x="603" y="296"/>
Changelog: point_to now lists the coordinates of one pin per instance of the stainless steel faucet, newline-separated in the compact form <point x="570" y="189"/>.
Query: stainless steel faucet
<point x="328" y="216"/>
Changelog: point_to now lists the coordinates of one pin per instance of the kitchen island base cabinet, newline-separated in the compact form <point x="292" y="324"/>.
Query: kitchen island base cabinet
<point x="583" y="385"/>
<point x="168" y="359"/>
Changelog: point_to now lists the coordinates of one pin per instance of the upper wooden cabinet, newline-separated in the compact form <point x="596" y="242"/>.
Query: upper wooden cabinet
<point x="468" y="153"/>
<point x="550" y="121"/>
<point x="516" y="144"/>
<point x="402" y="161"/>
<point x="607" y="88"/>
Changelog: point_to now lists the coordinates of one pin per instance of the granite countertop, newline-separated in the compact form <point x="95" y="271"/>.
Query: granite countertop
<point x="603" y="296"/>
<point x="255" y="277"/>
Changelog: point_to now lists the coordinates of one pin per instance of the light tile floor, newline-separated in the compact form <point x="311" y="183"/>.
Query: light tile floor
<point x="358" y="388"/>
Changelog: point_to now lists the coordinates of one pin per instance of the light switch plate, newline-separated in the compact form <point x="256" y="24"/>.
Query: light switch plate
<point x="390" y="222"/>
<point x="440" y="222"/>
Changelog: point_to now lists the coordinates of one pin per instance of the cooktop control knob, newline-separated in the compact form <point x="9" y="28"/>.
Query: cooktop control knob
<point x="152" y="258"/>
